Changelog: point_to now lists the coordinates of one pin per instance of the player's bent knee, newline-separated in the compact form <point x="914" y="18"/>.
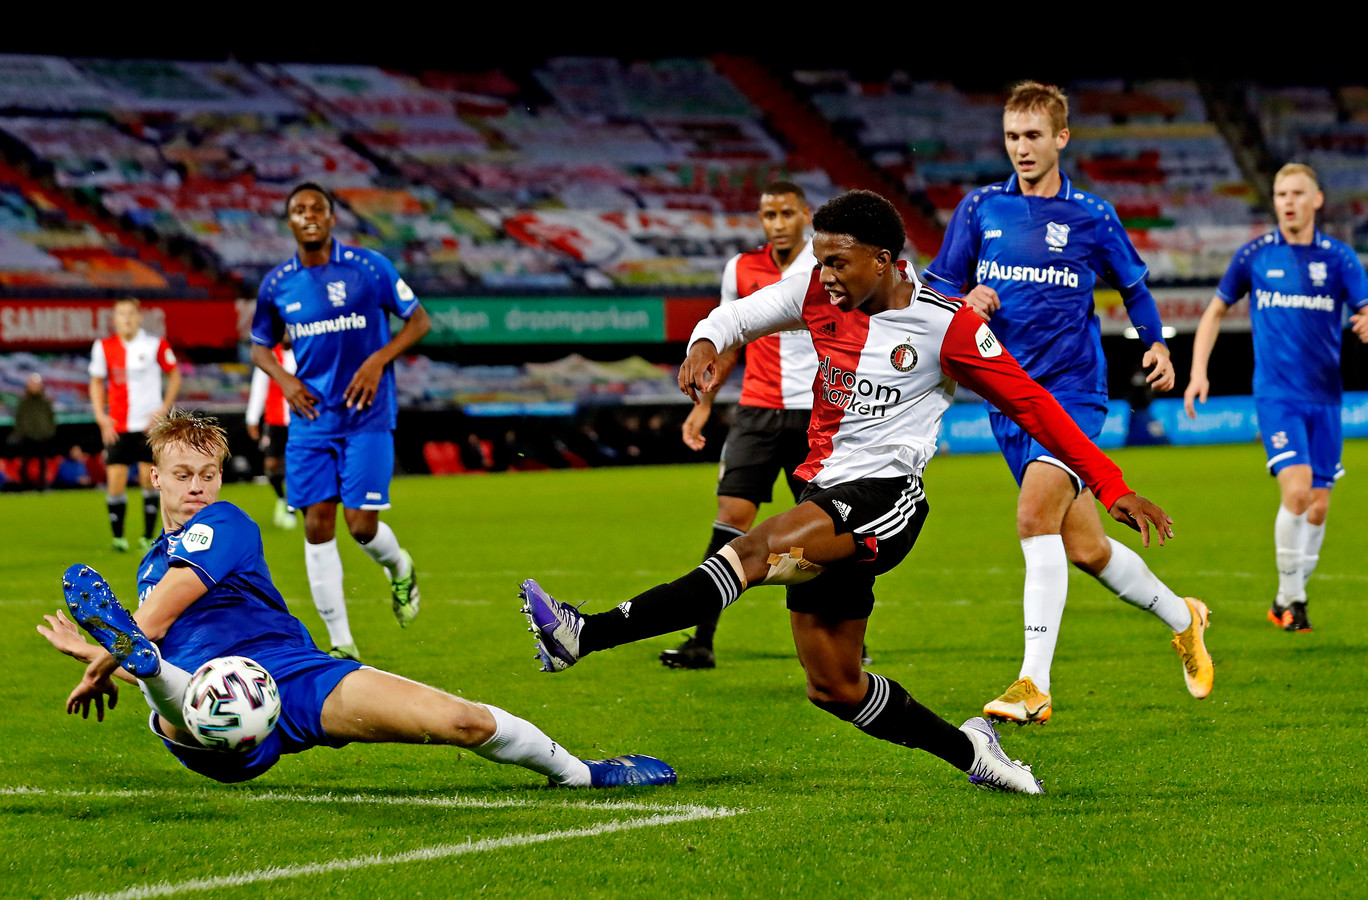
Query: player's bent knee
<point x="841" y="703"/>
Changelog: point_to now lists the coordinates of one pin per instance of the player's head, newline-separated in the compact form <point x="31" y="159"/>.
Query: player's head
<point x="309" y="212"/>
<point x="1296" y="198"/>
<point x="188" y="451"/>
<point x="1035" y="128"/>
<point x="857" y="239"/>
<point x="34" y="384"/>
<point x="127" y="317"/>
<point x="784" y="214"/>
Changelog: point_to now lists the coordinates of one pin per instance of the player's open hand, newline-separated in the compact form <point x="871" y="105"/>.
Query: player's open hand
<point x="360" y="392"/>
<point x="984" y="301"/>
<point x="1359" y="323"/>
<point x="698" y="373"/>
<point x="1197" y="390"/>
<point x="1162" y="378"/>
<point x="693" y="426"/>
<point x="1138" y="513"/>
<point x="63" y="634"/>
<point x="301" y="399"/>
<point x="108" y="433"/>
<point x="93" y="691"/>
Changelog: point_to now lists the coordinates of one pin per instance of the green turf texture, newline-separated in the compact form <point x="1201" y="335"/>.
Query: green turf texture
<point x="1258" y="791"/>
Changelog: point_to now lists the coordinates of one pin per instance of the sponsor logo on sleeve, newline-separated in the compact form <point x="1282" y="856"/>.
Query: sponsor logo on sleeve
<point x="199" y="537"/>
<point x="987" y="342"/>
<point x="403" y="291"/>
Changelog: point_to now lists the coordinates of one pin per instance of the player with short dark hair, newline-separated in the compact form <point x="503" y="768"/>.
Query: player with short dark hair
<point x="768" y="433"/>
<point x="334" y="303"/>
<point x="1028" y="252"/>
<point x="205" y="593"/>
<point x="889" y="351"/>
<point x="126" y="395"/>
<point x="1299" y="281"/>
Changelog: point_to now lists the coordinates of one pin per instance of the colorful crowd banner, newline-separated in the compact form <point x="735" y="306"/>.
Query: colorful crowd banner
<point x="76" y="324"/>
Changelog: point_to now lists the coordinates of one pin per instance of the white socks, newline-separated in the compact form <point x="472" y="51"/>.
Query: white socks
<point x="165" y="692"/>
<point x="384" y="549"/>
<point x="1289" y="543"/>
<point x="1313" y="536"/>
<point x="1127" y="576"/>
<point x="1047" y="589"/>
<point x="323" y="564"/>
<point x="518" y="742"/>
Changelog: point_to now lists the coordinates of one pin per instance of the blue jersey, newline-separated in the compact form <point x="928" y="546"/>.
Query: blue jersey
<point x="1296" y="310"/>
<point x="336" y="316"/>
<point x="242" y="610"/>
<point x="1043" y="256"/>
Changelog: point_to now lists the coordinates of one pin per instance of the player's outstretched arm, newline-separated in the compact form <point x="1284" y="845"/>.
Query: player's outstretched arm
<point x="63" y="635"/>
<point x="1138" y="513"/>
<point x="698" y="372"/>
<point x="1207" y="330"/>
<point x="692" y="429"/>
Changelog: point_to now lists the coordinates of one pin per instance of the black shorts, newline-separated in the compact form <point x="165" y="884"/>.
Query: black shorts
<point x="130" y="449"/>
<point x="761" y="443"/>
<point x="273" y="440"/>
<point x="884" y="515"/>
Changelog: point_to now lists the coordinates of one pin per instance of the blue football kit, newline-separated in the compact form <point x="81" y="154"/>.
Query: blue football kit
<point x="1297" y="299"/>
<point x="241" y="614"/>
<point x="1043" y="256"/>
<point x="336" y="315"/>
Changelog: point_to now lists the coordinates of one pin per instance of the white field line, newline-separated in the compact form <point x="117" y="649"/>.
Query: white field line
<point x="667" y="814"/>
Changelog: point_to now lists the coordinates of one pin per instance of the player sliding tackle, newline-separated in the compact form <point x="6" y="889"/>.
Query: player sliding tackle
<point x="890" y="352"/>
<point x="206" y="593"/>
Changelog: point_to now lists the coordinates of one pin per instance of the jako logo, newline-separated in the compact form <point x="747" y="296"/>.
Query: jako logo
<point x="991" y="271"/>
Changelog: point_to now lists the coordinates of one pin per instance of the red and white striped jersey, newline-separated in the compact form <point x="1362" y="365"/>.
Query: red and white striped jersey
<point x="266" y="400"/>
<point x="884" y="382"/>
<point x="132" y="372"/>
<point x="780" y="368"/>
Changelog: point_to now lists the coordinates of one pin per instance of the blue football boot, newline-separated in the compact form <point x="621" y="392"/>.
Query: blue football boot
<point x="632" y="770"/>
<point x="96" y="609"/>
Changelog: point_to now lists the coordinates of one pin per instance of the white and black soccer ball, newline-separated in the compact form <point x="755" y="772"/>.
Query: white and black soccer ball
<point x="232" y="704"/>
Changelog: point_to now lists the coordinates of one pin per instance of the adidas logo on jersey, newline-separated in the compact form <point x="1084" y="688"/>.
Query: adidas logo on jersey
<point x="842" y="508"/>
<point x="827" y="328"/>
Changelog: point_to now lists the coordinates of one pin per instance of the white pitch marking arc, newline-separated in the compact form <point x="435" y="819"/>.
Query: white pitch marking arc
<point x="667" y="814"/>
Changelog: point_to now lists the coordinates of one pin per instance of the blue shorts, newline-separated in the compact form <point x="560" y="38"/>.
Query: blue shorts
<point x="1019" y="449"/>
<point x="355" y="469"/>
<point x="305" y="677"/>
<point x="1302" y="434"/>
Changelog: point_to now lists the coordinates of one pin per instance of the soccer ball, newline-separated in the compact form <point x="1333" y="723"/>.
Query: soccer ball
<point x="232" y="704"/>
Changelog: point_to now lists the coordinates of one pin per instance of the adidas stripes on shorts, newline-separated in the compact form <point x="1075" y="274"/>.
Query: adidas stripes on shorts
<point x="885" y="516"/>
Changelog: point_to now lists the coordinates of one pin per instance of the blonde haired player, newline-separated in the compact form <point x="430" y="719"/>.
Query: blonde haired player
<point x="1299" y="280"/>
<point x="205" y="592"/>
<point x="1026" y="254"/>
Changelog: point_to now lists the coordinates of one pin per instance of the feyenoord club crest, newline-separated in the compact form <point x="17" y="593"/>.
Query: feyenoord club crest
<point x="1056" y="235"/>
<point x="903" y="357"/>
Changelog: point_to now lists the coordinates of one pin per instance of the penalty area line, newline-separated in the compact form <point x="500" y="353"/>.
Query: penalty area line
<point x="423" y="854"/>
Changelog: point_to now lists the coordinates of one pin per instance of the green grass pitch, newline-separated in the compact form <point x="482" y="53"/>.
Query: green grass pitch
<point x="1258" y="791"/>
